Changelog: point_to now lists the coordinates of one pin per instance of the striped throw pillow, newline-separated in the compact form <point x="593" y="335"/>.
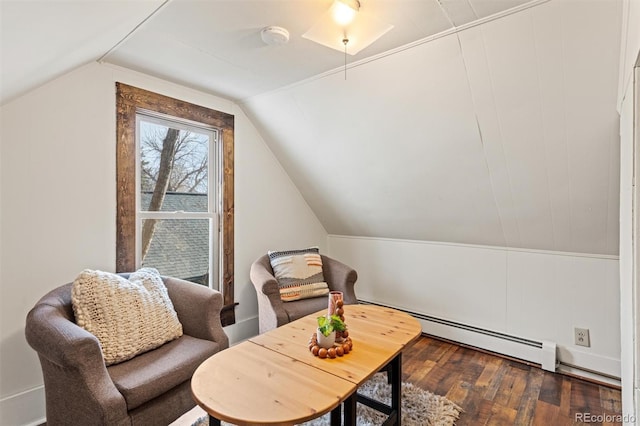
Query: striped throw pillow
<point x="299" y="273"/>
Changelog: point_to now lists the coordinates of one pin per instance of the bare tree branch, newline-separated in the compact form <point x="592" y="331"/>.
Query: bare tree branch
<point x="162" y="182"/>
<point x="172" y="161"/>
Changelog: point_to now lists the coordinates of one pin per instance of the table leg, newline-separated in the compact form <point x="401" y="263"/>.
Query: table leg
<point x="213" y="421"/>
<point x="396" y="387"/>
<point x="350" y="410"/>
<point x="336" y="416"/>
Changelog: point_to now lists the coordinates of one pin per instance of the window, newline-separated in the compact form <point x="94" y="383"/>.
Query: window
<point x="176" y="211"/>
<point x="175" y="190"/>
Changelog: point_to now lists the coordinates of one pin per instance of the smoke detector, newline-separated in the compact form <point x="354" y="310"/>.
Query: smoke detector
<point x="275" y="35"/>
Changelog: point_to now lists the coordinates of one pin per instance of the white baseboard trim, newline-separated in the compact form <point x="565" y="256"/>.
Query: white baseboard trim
<point x="602" y="369"/>
<point x="242" y="330"/>
<point x="505" y="347"/>
<point x="589" y="375"/>
<point x="546" y="354"/>
<point x="23" y="409"/>
<point x="572" y="359"/>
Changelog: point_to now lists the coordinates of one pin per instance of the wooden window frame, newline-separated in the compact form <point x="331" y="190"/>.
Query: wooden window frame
<point x="129" y="100"/>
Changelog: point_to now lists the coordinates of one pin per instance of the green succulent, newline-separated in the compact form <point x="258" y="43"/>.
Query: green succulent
<point x="328" y="324"/>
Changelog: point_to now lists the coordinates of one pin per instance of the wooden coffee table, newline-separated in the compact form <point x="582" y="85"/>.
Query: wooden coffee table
<point x="274" y="379"/>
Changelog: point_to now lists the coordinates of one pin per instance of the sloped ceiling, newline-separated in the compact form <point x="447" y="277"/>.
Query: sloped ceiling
<point x="473" y="121"/>
<point x="504" y="133"/>
<point x="41" y="40"/>
<point x="216" y="45"/>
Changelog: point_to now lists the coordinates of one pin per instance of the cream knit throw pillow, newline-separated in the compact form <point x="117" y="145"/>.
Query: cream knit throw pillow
<point x="127" y="316"/>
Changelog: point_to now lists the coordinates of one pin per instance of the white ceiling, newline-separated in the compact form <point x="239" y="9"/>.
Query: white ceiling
<point x="473" y="121"/>
<point x="41" y="40"/>
<point x="212" y="45"/>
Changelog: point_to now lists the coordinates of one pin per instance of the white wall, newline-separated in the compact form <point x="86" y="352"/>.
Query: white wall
<point x="270" y="214"/>
<point x="531" y="294"/>
<point x="503" y="133"/>
<point x="59" y="201"/>
<point x="627" y="325"/>
<point x="629" y="52"/>
<point x="629" y="46"/>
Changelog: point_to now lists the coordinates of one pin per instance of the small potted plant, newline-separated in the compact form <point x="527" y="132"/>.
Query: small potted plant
<point x="327" y="327"/>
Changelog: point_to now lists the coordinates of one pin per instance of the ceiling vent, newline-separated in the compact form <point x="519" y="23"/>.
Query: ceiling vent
<point x="275" y="35"/>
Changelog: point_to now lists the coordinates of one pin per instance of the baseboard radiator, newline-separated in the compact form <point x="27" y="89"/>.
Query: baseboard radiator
<point x="542" y="353"/>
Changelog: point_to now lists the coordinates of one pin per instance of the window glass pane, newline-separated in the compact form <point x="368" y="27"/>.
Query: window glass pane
<point x="173" y="161"/>
<point x="177" y="248"/>
<point x="178" y="201"/>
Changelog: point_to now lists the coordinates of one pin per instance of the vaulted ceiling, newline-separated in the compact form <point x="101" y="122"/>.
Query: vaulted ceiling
<point x="472" y="121"/>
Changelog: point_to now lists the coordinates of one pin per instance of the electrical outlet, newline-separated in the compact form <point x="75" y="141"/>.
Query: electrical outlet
<point x="581" y="337"/>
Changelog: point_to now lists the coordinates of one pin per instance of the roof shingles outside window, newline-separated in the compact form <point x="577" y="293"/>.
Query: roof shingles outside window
<point x="180" y="247"/>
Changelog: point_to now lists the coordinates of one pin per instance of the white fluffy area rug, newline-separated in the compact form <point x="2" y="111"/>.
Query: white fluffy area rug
<point x="419" y="407"/>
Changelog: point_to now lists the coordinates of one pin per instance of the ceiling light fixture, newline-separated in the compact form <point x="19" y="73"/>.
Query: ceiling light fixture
<point x="353" y="4"/>
<point x="344" y="11"/>
<point x="361" y="32"/>
<point x="345" y="41"/>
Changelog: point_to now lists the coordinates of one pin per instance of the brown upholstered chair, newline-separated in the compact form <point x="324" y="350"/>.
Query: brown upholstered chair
<point x="153" y="388"/>
<point x="273" y="312"/>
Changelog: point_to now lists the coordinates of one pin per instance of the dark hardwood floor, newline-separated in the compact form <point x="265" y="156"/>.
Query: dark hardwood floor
<point x="496" y="391"/>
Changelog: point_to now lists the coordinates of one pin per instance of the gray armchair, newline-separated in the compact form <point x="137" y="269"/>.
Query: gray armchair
<point x="153" y="388"/>
<point x="273" y="312"/>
